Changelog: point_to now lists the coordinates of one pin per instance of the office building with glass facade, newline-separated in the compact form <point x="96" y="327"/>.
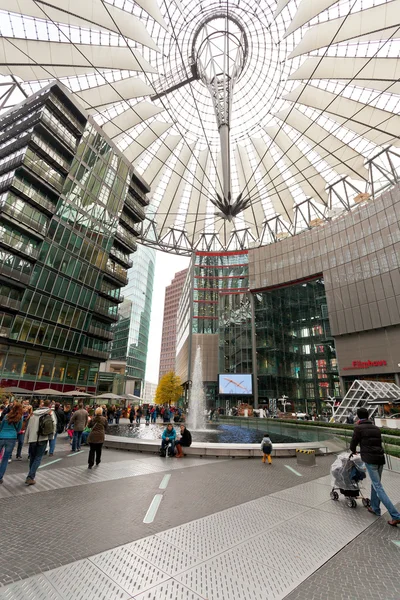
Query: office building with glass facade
<point x="71" y="208"/>
<point x="168" y="340"/>
<point x="131" y="332"/>
<point x="211" y="276"/>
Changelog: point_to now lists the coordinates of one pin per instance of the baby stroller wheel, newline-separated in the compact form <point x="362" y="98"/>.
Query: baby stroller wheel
<point x="334" y="495"/>
<point x="366" y="502"/>
<point x="351" y="503"/>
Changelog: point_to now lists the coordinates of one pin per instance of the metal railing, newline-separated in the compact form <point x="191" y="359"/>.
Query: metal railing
<point x="99" y="332"/>
<point x="7" y="302"/>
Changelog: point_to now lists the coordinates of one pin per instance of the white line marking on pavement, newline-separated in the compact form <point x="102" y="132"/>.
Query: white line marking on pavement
<point x="49" y="463"/>
<point x="74" y="453"/>
<point x="153" y="508"/>
<point x="293" y="471"/>
<point x="165" y="482"/>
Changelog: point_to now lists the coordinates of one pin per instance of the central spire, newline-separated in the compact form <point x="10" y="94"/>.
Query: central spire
<point x="219" y="56"/>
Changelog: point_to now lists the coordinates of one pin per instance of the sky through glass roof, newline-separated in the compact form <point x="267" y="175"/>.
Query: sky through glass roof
<point x="312" y="115"/>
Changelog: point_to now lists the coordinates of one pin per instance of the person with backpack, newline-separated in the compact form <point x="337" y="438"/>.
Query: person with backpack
<point x="60" y="417"/>
<point x="42" y="427"/>
<point x="79" y="420"/>
<point x="266" y="449"/>
<point x="10" y="427"/>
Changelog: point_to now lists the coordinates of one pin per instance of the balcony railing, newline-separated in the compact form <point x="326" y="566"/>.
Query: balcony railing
<point x="104" y="310"/>
<point x="135" y="207"/>
<point x="7" y="302"/>
<point x="101" y="333"/>
<point x="127" y="239"/>
<point x="5" y="332"/>
<point x="121" y="276"/>
<point x="24" y="219"/>
<point x="14" y="242"/>
<point x="95" y="353"/>
<point x="31" y="193"/>
<point x="120" y="256"/>
<point x="136" y="228"/>
<point x="14" y="273"/>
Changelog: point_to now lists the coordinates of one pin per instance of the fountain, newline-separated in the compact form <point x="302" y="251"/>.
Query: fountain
<point x="197" y="400"/>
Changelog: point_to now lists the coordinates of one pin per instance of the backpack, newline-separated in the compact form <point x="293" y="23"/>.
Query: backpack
<point x="46" y="425"/>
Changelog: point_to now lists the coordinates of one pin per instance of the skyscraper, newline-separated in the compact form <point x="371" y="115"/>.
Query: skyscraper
<point x="70" y="210"/>
<point x="168" y="341"/>
<point x="132" y="330"/>
<point x="213" y="278"/>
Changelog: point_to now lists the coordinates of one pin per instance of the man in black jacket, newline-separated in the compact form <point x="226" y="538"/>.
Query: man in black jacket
<point x="369" y="438"/>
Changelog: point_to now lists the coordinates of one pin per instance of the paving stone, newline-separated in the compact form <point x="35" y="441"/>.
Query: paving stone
<point x="128" y="570"/>
<point x="82" y="580"/>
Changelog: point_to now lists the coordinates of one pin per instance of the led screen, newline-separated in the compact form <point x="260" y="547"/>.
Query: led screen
<point x="240" y="385"/>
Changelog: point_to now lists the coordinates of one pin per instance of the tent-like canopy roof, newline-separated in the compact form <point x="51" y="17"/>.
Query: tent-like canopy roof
<point x="314" y="120"/>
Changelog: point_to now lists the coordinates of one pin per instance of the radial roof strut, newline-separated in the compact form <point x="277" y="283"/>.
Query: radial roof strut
<point x="248" y="123"/>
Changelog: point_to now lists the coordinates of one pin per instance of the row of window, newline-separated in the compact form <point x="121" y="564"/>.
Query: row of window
<point x="11" y="261"/>
<point x="37" y="332"/>
<point x="50" y="309"/>
<point x="59" y="286"/>
<point x="56" y="126"/>
<point x="46" y="367"/>
<point x="5" y="324"/>
<point x="42" y="168"/>
<point x="67" y="263"/>
<point x="51" y="151"/>
<point x="19" y="241"/>
<point x="17" y="208"/>
<point x="88" y="246"/>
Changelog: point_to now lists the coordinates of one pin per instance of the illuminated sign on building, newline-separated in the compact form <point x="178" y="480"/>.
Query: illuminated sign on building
<point x="359" y="364"/>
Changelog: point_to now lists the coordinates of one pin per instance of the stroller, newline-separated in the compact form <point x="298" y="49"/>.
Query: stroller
<point x="347" y="472"/>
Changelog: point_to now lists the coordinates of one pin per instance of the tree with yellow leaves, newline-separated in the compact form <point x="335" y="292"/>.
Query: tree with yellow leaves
<point x="169" y="389"/>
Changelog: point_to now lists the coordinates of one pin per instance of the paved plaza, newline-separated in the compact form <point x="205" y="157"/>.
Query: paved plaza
<point x="146" y="528"/>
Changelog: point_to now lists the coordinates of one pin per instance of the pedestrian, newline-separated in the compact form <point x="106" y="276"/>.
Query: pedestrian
<point x="26" y="415"/>
<point x="118" y="413"/>
<point x="139" y="413"/>
<point x="350" y="418"/>
<point x="67" y="414"/>
<point x="153" y="414"/>
<point x="98" y="427"/>
<point x="147" y="417"/>
<point x="10" y="427"/>
<point x="79" y="421"/>
<point x="110" y="414"/>
<point x="131" y="415"/>
<point x="368" y="436"/>
<point x="6" y="407"/>
<point x="60" y="417"/>
<point x="42" y="427"/>
<point x="168" y="439"/>
<point x="266" y="449"/>
<point x="184" y="441"/>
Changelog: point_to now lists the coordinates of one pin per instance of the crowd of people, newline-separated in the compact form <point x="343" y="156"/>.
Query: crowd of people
<point x="38" y="425"/>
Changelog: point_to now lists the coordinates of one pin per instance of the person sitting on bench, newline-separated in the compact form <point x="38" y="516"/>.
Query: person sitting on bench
<point x="184" y="441"/>
<point x="168" y="439"/>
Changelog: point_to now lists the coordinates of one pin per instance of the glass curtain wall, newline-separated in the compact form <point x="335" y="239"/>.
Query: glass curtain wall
<point x="295" y="350"/>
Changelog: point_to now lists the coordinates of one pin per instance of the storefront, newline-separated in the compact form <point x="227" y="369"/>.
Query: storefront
<point x="371" y="355"/>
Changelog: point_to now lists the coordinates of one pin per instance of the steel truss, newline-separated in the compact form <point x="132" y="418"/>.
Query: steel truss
<point x="384" y="173"/>
<point x="366" y="394"/>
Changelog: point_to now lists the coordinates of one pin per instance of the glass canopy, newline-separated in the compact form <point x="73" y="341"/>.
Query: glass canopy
<point x="251" y="121"/>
